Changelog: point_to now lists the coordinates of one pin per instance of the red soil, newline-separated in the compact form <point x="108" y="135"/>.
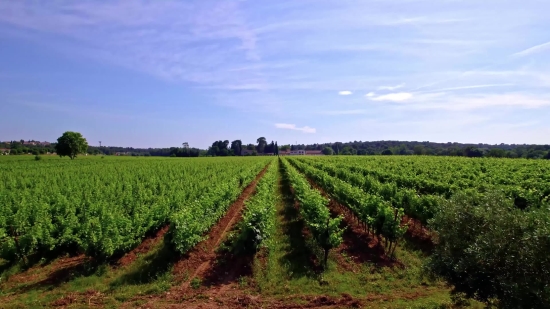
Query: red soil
<point x="199" y="260"/>
<point x="143" y="248"/>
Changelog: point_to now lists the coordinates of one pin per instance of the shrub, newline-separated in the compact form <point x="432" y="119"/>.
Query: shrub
<point x="488" y="249"/>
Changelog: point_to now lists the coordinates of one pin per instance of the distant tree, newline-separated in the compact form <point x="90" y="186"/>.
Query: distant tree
<point x="214" y="151"/>
<point x="419" y="150"/>
<point x="71" y="144"/>
<point x="547" y="156"/>
<point x="473" y="152"/>
<point x="276" y="149"/>
<point x="261" y="144"/>
<point x="387" y="152"/>
<point x="348" y="151"/>
<point x="237" y="146"/>
<point x="328" y="151"/>
<point x="250" y="147"/>
<point x="285" y="147"/>
<point x="337" y="147"/>
<point x="270" y="148"/>
<point x="496" y="153"/>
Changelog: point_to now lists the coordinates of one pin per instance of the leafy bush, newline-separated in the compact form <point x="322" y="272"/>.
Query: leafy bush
<point x="490" y="250"/>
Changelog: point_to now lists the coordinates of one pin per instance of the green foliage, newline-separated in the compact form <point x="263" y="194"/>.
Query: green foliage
<point x="488" y="249"/>
<point x="71" y="144"/>
<point x="37" y="158"/>
<point x="525" y="181"/>
<point x="258" y="219"/>
<point x="313" y="208"/>
<point x="328" y="151"/>
<point x="189" y="224"/>
<point x="104" y="207"/>
<point x="387" y="152"/>
<point x="371" y="209"/>
<point x="496" y="153"/>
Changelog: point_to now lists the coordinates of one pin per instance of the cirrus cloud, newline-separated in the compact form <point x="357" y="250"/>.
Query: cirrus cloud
<point x="395" y="97"/>
<point x="345" y="92"/>
<point x="289" y="126"/>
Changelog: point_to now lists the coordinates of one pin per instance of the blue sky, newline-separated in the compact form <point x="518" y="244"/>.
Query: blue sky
<point x="159" y="73"/>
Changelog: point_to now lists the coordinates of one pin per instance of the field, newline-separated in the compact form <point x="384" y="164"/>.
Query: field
<point x="294" y="232"/>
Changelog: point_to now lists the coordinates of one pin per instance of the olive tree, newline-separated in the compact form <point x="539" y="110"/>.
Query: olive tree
<point x="490" y="250"/>
<point x="71" y="144"/>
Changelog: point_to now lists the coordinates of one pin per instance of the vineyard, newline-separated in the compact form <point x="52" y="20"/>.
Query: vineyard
<point x="331" y="230"/>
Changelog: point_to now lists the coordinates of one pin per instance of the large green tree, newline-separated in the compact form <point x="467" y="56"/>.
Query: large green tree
<point x="71" y="144"/>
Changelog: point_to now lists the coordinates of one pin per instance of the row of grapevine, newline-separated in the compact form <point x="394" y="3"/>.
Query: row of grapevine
<point x="103" y="207"/>
<point x="189" y="225"/>
<point x="420" y="207"/>
<point x="314" y="210"/>
<point x="258" y="221"/>
<point x="376" y="214"/>
<point x="526" y="181"/>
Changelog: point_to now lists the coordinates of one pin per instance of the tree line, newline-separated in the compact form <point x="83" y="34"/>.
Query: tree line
<point x="237" y="148"/>
<point x="262" y="146"/>
<point x="428" y="148"/>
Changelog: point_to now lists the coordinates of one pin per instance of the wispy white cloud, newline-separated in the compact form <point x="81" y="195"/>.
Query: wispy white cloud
<point x="395" y="97"/>
<point x="533" y="50"/>
<point x="288" y="126"/>
<point x="470" y="87"/>
<point x="345" y="112"/>
<point x="391" y="88"/>
<point x="179" y="41"/>
<point x="345" y="92"/>
<point x="370" y="94"/>
<point x="469" y="102"/>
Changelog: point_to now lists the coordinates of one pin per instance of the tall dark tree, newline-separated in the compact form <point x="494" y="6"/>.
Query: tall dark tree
<point x="277" y="149"/>
<point x="71" y="144"/>
<point x="261" y="144"/>
<point x="237" y="146"/>
<point x="270" y="148"/>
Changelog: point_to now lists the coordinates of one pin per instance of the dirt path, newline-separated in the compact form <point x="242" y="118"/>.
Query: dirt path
<point x="143" y="248"/>
<point x="199" y="260"/>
